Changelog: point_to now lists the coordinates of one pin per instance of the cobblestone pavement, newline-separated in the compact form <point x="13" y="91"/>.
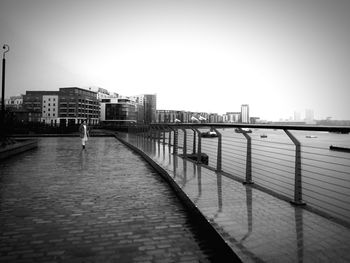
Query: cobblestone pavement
<point x="258" y="226"/>
<point x="105" y="204"/>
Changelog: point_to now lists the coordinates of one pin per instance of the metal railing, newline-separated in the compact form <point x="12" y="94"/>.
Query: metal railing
<point x="284" y="160"/>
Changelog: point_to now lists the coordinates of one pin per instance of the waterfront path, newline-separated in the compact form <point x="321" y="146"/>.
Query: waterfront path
<point x="59" y="203"/>
<point x="259" y="227"/>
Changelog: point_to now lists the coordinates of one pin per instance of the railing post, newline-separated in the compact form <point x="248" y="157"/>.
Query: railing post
<point x="219" y="151"/>
<point x="298" y="200"/>
<point x="184" y="151"/>
<point x="199" y="149"/>
<point x="194" y="141"/>
<point x="248" y="167"/>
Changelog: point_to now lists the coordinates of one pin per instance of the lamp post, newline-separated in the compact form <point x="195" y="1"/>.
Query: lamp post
<point x="6" y="48"/>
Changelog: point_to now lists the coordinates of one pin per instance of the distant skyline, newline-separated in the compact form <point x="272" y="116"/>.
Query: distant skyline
<point x="278" y="56"/>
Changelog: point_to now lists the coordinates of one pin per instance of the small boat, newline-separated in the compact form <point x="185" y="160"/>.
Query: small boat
<point x="263" y="136"/>
<point x="339" y="149"/>
<point x="243" y="130"/>
<point x="209" y="134"/>
<point x="311" y="136"/>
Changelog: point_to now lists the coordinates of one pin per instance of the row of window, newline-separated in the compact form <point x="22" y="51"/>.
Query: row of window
<point x="49" y="99"/>
<point x="49" y="109"/>
<point x="80" y="115"/>
<point x="53" y="114"/>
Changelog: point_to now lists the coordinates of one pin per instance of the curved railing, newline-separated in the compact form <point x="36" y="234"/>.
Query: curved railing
<point x="292" y="162"/>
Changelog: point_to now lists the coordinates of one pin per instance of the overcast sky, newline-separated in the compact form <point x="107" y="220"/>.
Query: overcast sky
<point x="277" y="56"/>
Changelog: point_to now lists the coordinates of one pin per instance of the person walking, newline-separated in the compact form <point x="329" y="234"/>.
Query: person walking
<point x="84" y="133"/>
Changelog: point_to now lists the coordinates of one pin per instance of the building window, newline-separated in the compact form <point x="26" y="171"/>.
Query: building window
<point x="49" y="99"/>
<point x="48" y="114"/>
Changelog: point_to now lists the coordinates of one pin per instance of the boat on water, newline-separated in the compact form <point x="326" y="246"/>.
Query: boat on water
<point x="339" y="149"/>
<point x="209" y="134"/>
<point x="243" y="130"/>
<point x="311" y="136"/>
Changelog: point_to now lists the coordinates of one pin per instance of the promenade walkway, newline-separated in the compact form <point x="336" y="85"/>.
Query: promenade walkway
<point x="256" y="225"/>
<point x="59" y="203"/>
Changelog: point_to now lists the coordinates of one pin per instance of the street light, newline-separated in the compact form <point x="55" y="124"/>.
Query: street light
<point x="6" y="48"/>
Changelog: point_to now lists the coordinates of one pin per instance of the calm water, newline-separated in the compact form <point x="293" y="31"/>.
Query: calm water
<point x="325" y="173"/>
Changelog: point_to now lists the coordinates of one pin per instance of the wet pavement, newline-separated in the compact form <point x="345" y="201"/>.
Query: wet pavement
<point x="258" y="227"/>
<point x="59" y="203"/>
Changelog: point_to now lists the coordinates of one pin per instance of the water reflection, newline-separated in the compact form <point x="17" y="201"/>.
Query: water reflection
<point x="249" y="202"/>
<point x="174" y="164"/>
<point x="219" y="187"/>
<point x="184" y="171"/>
<point x="83" y="159"/>
<point x="198" y="170"/>
<point x="298" y="213"/>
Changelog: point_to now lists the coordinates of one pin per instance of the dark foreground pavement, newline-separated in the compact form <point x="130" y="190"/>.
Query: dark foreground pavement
<point x="61" y="204"/>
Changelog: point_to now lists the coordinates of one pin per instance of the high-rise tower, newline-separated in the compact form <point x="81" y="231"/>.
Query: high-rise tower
<point x="245" y="113"/>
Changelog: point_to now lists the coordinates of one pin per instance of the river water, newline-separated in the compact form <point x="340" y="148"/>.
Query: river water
<point x="325" y="173"/>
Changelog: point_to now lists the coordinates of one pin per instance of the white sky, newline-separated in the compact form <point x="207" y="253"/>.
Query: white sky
<point x="212" y="56"/>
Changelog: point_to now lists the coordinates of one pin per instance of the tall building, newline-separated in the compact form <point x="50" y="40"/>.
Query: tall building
<point x="245" y="113"/>
<point x="149" y="102"/>
<point x="76" y="105"/>
<point x="309" y="116"/>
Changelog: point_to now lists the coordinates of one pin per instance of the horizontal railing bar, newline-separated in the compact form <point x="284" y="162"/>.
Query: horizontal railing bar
<point x="328" y="183"/>
<point x="330" y="197"/>
<point x="271" y="142"/>
<point x="327" y="169"/>
<point x="239" y="159"/>
<point x="328" y="209"/>
<point x="327" y="155"/>
<point x="279" y="164"/>
<point x="233" y="171"/>
<point x="313" y="172"/>
<point x="274" y="152"/>
<point x="278" y="185"/>
<point x="260" y="126"/>
<point x="279" y="175"/>
<point x="234" y="139"/>
<point x="273" y="147"/>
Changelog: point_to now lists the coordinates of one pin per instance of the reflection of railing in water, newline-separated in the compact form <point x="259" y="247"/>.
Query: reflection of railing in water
<point x="289" y="168"/>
